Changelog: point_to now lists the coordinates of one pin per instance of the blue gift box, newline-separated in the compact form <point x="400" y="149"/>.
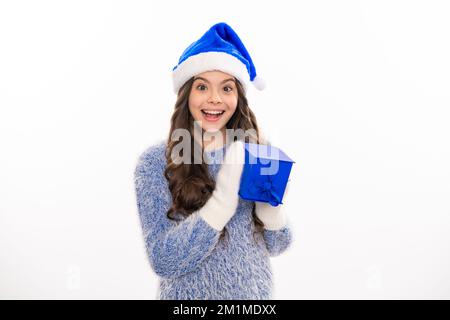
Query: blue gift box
<point x="265" y="174"/>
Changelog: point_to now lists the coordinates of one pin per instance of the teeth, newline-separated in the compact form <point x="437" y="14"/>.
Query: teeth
<point x="213" y="112"/>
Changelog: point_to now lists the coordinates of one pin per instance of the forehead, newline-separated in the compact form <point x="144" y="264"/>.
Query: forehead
<point x="214" y="76"/>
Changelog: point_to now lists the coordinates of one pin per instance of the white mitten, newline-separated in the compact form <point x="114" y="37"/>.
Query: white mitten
<point x="222" y="204"/>
<point x="274" y="218"/>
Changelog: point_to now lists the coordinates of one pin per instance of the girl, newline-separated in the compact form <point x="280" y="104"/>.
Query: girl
<point x="202" y="239"/>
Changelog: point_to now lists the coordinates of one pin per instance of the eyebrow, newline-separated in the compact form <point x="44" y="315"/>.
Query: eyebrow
<point x="209" y="82"/>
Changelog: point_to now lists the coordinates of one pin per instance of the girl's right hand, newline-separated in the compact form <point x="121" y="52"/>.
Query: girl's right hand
<point x="222" y="204"/>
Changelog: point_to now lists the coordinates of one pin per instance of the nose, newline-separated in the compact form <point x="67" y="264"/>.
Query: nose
<point x="214" y="97"/>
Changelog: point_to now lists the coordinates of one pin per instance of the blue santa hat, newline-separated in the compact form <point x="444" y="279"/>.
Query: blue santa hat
<point x="218" y="49"/>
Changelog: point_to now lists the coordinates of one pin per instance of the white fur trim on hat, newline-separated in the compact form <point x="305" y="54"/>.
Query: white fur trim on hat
<point x="208" y="61"/>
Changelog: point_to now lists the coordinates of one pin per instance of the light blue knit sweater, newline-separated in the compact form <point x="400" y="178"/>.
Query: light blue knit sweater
<point x="187" y="255"/>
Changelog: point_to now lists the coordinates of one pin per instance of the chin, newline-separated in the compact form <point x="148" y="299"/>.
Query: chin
<point x="212" y="129"/>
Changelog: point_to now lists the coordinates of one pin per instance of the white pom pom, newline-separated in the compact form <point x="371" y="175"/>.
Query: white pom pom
<point x="259" y="83"/>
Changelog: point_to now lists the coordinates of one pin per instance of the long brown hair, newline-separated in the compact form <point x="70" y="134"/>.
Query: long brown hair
<point x="191" y="185"/>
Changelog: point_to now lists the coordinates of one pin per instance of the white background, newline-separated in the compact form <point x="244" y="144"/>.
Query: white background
<point x="357" y="94"/>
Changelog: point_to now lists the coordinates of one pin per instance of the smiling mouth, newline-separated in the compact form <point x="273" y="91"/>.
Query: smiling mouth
<point x="212" y="115"/>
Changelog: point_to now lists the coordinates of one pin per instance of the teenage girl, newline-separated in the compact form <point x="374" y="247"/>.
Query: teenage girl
<point x="202" y="239"/>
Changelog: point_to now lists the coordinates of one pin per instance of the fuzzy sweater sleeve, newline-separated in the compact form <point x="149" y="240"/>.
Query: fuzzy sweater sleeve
<point x="278" y="241"/>
<point x="174" y="248"/>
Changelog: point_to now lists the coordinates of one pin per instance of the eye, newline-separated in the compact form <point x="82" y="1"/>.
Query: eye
<point x="201" y="85"/>
<point x="231" y="89"/>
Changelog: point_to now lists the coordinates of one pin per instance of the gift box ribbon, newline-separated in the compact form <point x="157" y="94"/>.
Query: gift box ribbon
<point x="267" y="189"/>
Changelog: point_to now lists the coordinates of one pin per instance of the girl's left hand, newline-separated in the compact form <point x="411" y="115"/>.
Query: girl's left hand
<point x="274" y="218"/>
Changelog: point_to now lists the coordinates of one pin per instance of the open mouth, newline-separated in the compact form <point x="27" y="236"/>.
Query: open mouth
<point x="212" y="115"/>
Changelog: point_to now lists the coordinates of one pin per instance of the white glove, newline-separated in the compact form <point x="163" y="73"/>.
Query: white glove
<point x="274" y="218"/>
<point x="222" y="204"/>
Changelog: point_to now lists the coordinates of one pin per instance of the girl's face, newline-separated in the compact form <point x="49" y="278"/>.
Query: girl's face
<point x="213" y="99"/>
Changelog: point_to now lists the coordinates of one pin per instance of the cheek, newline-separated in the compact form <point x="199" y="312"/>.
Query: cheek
<point x="231" y="110"/>
<point x="194" y="106"/>
<point x="232" y="103"/>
